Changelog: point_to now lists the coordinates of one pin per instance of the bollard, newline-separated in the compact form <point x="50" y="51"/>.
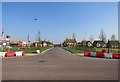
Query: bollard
<point x="38" y="51"/>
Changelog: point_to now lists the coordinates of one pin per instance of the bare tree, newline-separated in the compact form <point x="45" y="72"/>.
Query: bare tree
<point x="113" y="39"/>
<point x="102" y="36"/>
<point x="91" y="38"/>
<point x="38" y="37"/>
<point x="74" y="36"/>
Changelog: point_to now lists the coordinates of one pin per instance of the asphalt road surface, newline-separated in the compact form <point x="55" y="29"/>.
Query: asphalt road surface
<point x="58" y="64"/>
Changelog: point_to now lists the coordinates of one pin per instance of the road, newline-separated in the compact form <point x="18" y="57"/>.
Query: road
<point x="58" y="64"/>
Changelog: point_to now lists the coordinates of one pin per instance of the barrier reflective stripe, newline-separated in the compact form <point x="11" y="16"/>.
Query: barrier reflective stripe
<point x="18" y="53"/>
<point x="108" y="55"/>
<point x="2" y="54"/>
<point x="93" y="54"/>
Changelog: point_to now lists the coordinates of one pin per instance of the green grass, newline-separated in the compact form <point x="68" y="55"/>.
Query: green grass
<point x="32" y="49"/>
<point x="73" y="50"/>
<point x="92" y="49"/>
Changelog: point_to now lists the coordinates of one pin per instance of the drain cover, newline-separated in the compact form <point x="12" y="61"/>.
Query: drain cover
<point x="41" y="61"/>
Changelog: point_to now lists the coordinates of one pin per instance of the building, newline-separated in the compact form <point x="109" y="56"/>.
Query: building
<point x="16" y="43"/>
<point x="78" y="44"/>
<point x="99" y="44"/>
<point x="4" y="43"/>
<point x="42" y="44"/>
<point x="69" y="43"/>
<point x="86" y="43"/>
<point x="113" y="44"/>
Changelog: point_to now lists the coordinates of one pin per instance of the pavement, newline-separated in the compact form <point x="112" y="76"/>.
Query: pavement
<point x="58" y="64"/>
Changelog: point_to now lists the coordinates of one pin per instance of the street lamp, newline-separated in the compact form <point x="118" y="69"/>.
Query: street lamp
<point x="28" y="38"/>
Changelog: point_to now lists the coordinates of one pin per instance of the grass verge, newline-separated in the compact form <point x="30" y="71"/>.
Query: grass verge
<point x="78" y="50"/>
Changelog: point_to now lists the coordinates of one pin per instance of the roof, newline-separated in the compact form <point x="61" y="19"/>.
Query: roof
<point x="85" y="41"/>
<point x="71" y="40"/>
<point x="113" y="42"/>
<point x="98" y="41"/>
<point x="15" y="42"/>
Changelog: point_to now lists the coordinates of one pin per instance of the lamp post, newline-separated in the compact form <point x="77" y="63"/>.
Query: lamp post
<point x="28" y="38"/>
<point x="108" y="46"/>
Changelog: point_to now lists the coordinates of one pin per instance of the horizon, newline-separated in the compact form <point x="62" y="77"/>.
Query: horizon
<point x="58" y="20"/>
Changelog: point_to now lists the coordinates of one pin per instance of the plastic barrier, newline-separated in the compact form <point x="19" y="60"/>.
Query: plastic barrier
<point x="2" y="54"/>
<point x="103" y="51"/>
<point x="100" y="54"/>
<point x="8" y="54"/>
<point x="23" y="53"/>
<point x="93" y="54"/>
<point x="108" y="55"/>
<point x="18" y="53"/>
<point x="86" y="53"/>
<point x="116" y="56"/>
<point x="38" y="51"/>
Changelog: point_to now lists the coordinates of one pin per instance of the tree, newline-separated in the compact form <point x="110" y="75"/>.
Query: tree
<point x="91" y="38"/>
<point x="74" y="37"/>
<point x="113" y="37"/>
<point x="102" y="36"/>
<point x="38" y="37"/>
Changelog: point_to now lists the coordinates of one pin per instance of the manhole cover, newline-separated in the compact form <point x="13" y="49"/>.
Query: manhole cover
<point x="41" y="61"/>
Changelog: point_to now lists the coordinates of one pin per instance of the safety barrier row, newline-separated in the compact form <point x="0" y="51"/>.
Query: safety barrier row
<point x="11" y="54"/>
<point x="101" y="55"/>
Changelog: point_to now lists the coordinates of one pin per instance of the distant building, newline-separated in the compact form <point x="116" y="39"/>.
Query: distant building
<point x="114" y="44"/>
<point x="69" y="42"/>
<point x="78" y="44"/>
<point x="4" y="43"/>
<point x="42" y="44"/>
<point x="99" y="44"/>
<point x="16" y="43"/>
<point x="86" y="43"/>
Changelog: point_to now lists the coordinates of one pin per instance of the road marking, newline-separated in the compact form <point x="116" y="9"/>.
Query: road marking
<point x="46" y="50"/>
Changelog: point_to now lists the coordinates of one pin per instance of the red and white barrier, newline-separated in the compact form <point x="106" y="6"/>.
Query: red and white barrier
<point x="93" y="54"/>
<point x="108" y="55"/>
<point x="12" y="54"/>
<point x="2" y="54"/>
<point x="9" y="54"/>
<point x="102" y="55"/>
<point x="116" y="56"/>
<point x="86" y="53"/>
<point x="18" y="53"/>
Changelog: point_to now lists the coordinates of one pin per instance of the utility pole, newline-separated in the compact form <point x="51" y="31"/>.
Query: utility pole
<point x="108" y="46"/>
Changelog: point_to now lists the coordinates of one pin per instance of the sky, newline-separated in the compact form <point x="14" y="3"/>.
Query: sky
<point x="57" y="21"/>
